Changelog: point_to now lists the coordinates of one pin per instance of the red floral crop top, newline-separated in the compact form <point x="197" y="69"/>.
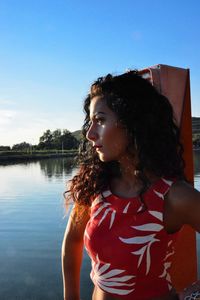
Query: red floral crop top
<point x="128" y="245"/>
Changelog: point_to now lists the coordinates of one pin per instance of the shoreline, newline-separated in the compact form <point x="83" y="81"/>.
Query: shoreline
<point x="15" y="158"/>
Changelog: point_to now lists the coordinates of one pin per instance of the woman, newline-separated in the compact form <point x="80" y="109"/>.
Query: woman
<point x="131" y="197"/>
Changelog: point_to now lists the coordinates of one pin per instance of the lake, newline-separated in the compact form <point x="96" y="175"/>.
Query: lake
<point x="32" y="224"/>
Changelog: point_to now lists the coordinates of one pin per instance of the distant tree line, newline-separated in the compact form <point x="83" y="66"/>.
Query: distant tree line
<point x="5" y="148"/>
<point x="50" y="140"/>
<point x="57" y="140"/>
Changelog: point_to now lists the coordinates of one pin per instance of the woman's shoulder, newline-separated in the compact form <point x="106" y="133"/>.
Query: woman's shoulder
<point x="181" y="194"/>
<point x="183" y="204"/>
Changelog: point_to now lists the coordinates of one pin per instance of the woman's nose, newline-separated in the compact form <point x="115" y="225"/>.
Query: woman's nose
<point x="91" y="134"/>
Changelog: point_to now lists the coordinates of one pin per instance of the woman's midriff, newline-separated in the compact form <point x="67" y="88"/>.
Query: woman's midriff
<point x="99" y="294"/>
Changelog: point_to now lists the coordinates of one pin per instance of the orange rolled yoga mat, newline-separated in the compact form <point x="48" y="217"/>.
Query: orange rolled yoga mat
<point x="174" y="83"/>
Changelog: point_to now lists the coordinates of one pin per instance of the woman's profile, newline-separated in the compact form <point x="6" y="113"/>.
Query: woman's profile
<point x="131" y="197"/>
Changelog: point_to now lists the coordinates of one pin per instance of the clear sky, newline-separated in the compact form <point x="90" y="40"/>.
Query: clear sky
<point x="51" y="51"/>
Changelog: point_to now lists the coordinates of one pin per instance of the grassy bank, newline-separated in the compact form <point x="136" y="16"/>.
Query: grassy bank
<point x="17" y="156"/>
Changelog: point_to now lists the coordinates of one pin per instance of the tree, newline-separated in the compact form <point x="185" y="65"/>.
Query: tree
<point x="68" y="140"/>
<point x="58" y="140"/>
<point x="4" y="148"/>
<point x="22" y="147"/>
<point x="46" y="140"/>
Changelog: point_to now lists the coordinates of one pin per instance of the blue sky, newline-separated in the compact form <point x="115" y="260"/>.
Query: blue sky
<point x="51" y="51"/>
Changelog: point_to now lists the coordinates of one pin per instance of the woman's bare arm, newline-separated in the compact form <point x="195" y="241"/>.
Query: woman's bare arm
<point x="72" y="251"/>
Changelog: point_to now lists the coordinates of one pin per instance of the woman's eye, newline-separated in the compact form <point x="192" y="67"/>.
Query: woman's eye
<point x="100" y="121"/>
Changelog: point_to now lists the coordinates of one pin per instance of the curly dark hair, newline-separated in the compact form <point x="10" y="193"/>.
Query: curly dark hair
<point x="149" y="121"/>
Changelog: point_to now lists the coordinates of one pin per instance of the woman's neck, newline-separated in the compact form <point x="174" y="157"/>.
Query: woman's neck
<point x="129" y="183"/>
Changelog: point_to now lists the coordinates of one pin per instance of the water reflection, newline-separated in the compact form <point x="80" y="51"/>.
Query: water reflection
<point x="196" y="156"/>
<point x="57" y="167"/>
<point x="60" y="167"/>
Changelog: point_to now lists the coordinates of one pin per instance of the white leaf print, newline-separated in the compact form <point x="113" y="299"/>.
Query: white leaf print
<point x="165" y="273"/>
<point x="140" y="208"/>
<point x="169" y="243"/>
<point x="168" y="277"/>
<point x="167" y="265"/>
<point x="149" y="227"/>
<point x="126" y="208"/>
<point x="97" y="200"/>
<point x="159" y="194"/>
<point x="96" y="266"/>
<point x="158" y="215"/>
<point x="149" y="239"/>
<point x="168" y="182"/>
<point x="112" y="218"/>
<point x="106" y="194"/>
<point x="104" y="215"/>
<point x="168" y="255"/>
<point x="113" y="290"/>
<point x="108" y="281"/>
<point x="120" y="279"/>
<point x="140" y="252"/>
<point x="148" y="259"/>
<point x="148" y="256"/>
<point x="112" y="273"/>
<point x="169" y="286"/>
<point x="138" y="239"/>
<point x="100" y="209"/>
<point x="103" y="268"/>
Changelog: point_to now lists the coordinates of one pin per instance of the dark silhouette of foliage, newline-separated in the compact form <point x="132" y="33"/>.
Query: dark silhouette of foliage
<point x="5" y="148"/>
<point x="22" y="147"/>
<point x="60" y="140"/>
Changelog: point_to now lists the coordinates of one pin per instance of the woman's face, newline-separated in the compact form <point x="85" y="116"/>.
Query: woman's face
<point x="106" y="133"/>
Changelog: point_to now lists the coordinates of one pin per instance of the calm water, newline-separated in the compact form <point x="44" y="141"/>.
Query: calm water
<point x="32" y="225"/>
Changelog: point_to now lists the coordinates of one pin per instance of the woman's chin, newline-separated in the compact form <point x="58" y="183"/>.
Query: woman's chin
<point x="103" y="157"/>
